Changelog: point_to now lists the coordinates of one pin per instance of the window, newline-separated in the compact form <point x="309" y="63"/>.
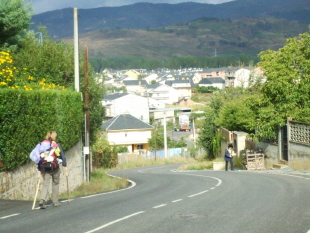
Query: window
<point x="139" y="147"/>
<point x="125" y="134"/>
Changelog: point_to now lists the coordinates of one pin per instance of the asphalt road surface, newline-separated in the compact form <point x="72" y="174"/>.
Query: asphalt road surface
<point x="164" y="200"/>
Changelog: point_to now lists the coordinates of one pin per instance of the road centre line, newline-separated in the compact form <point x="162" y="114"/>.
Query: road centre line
<point x="219" y="180"/>
<point x="115" y="221"/>
<point x="12" y="215"/>
<point x="177" y="200"/>
<point x="159" y="206"/>
<point x="198" y="193"/>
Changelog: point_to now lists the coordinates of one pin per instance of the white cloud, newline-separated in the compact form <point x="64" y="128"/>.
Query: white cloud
<point x="40" y="6"/>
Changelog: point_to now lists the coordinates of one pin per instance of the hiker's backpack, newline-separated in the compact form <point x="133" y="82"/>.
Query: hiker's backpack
<point x="49" y="155"/>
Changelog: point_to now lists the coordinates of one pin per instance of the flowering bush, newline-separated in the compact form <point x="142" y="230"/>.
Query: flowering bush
<point x="20" y="78"/>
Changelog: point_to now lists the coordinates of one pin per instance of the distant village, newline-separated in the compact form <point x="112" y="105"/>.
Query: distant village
<point x="135" y="95"/>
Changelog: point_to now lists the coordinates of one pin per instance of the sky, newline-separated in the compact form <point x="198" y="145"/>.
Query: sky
<point x="40" y="6"/>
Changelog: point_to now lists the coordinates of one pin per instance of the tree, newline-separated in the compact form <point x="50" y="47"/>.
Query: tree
<point x="238" y="114"/>
<point x="53" y="62"/>
<point x="208" y="133"/>
<point x="286" y="93"/>
<point x="15" y="19"/>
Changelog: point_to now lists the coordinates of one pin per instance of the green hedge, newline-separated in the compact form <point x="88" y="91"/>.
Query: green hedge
<point x="26" y="117"/>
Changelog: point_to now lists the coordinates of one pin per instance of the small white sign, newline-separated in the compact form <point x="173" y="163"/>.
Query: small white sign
<point x="86" y="150"/>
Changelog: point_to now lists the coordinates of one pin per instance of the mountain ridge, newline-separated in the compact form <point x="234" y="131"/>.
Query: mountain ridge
<point x="149" y="15"/>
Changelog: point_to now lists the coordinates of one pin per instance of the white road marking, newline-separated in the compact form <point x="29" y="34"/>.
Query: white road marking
<point x="198" y="193"/>
<point x="218" y="183"/>
<point x="116" y="221"/>
<point x="159" y="206"/>
<point x="307" y="179"/>
<point x="212" y="188"/>
<point x="67" y="200"/>
<point x="133" y="184"/>
<point x="149" y="168"/>
<point x="296" y="176"/>
<point x="177" y="200"/>
<point x="12" y="215"/>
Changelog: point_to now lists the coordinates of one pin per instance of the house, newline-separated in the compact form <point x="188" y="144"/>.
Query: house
<point x="127" y="130"/>
<point x="242" y="78"/>
<point x="211" y="73"/>
<point x="212" y="82"/>
<point x="132" y="73"/>
<point x="124" y="103"/>
<point x="165" y="94"/>
<point x="184" y="87"/>
<point x="135" y="86"/>
<point x="153" y="104"/>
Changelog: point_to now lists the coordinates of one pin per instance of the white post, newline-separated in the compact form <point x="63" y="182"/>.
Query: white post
<point x="165" y="136"/>
<point x="194" y="132"/>
<point x="76" y="51"/>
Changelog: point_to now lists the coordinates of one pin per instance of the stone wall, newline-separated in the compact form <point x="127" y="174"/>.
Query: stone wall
<point x="21" y="183"/>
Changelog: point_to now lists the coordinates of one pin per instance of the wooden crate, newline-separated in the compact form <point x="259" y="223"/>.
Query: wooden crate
<point x="255" y="161"/>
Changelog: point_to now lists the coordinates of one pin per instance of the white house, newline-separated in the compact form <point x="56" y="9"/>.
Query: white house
<point x="153" y="103"/>
<point x="213" y="82"/>
<point x="184" y="87"/>
<point x="242" y="78"/>
<point x="124" y="103"/>
<point x="165" y="94"/>
<point x="135" y="86"/>
<point x="127" y="130"/>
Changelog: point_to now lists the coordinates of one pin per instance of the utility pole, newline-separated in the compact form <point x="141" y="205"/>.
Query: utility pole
<point x="165" y="136"/>
<point x="215" y="53"/>
<point x="76" y="51"/>
<point x="194" y="132"/>
<point x="87" y="122"/>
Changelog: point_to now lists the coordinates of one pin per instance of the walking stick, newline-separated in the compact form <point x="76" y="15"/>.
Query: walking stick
<point x="67" y="185"/>
<point x="35" y="197"/>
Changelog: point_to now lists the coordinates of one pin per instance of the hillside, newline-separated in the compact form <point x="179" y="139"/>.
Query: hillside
<point x="147" y="15"/>
<point x="201" y="37"/>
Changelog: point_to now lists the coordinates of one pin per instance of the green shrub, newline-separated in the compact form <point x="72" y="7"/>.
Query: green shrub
<point x="26" y="117"/>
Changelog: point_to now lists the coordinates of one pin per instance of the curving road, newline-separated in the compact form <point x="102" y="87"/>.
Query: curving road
<point x="164" y="200"/>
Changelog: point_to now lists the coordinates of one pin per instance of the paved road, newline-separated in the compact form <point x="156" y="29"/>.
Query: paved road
<point x="164" y="200"/>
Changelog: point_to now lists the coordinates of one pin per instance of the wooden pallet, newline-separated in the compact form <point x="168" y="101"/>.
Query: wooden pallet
<point x="255" y="161"/>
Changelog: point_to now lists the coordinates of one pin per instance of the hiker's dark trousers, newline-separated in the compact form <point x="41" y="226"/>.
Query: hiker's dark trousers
<point x="231" y="161"/>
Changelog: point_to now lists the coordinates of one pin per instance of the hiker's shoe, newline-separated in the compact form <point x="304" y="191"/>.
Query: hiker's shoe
<point x="42" y="204"/>
<point x="57" y="203"/>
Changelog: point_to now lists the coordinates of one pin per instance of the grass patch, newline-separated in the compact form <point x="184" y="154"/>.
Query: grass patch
<point x="99" y="182"/>
<point x="197" y="166"/>
<point x="142" y="162"/>
<point x="301" y="165"/>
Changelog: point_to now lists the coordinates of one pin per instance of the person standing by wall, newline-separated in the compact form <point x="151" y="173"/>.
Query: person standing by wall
<point x="49" y="167"/>
<point x="229" y="157"/>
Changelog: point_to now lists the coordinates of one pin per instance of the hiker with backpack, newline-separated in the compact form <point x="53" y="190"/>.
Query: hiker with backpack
<point x="51" y="156"/>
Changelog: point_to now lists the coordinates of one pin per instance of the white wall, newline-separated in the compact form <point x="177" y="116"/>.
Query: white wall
<point x="129" y="137"/>
<point x="218" y="85"/>
<point x="165" y="94"/>
<point x="135" y="105"/>
<point x="184" y="93"/>
<point x="242" y="77"/>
